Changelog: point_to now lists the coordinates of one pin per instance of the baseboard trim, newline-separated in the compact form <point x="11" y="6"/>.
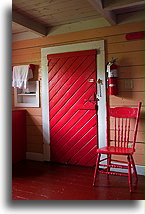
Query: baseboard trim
<point x="40" y="157"/>
<point x="34" y="156"/>
<point x="139" y="169"/>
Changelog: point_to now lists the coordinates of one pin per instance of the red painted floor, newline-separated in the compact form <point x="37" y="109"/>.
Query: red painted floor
<point x="33" y="180"/>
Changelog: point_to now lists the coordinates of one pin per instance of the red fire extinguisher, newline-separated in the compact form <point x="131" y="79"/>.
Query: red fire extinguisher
<point x="112" y="70"/>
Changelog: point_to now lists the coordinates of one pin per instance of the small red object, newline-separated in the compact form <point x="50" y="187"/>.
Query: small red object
<point x="121" y="145"/>
<point x="32" y="66"/>
<point x="135" y="35"/>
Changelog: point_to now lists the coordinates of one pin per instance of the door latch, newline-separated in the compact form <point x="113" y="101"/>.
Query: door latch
<point x="100" y="83"/>
<point x="91" y="80"/>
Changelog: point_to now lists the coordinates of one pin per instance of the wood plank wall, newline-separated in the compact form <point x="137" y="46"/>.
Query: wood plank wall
<point x="130" y="61"/>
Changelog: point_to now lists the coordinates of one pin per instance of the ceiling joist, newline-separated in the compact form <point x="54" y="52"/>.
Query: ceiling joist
<point x="115" y="4"/>
<point x="29" y="23"/>
<point x="108" y="15"/>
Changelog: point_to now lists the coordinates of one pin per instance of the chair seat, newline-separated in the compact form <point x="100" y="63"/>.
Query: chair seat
<point x="115" y="150"/>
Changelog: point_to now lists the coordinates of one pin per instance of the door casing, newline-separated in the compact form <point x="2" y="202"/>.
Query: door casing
<point x="99" y="45"/>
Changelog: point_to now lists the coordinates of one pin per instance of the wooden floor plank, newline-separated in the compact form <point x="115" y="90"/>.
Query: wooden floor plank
<point x="34" y="180"/>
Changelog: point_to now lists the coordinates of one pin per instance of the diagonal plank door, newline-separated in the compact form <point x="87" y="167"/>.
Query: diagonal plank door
<point x="73" y="119"/>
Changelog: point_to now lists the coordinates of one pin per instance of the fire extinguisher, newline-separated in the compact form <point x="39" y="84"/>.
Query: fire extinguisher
<point x="112" y="70"/>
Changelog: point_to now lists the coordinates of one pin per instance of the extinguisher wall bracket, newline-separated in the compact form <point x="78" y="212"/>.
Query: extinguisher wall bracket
<point x="100" y="83"/>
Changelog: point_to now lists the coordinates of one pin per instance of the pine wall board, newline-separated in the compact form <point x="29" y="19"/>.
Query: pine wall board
<point x="81" y="36"/>
<point x="131" y="67"/>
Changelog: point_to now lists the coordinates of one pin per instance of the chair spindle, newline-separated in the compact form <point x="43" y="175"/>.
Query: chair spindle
<point x="115" y="132"/>
<point x="118" y="131"/>
<point x="128" y="132"/>
<point x="125" y="132"/>
<point x="122" y="132"/>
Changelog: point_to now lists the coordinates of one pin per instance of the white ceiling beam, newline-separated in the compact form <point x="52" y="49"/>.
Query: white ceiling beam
<point x="108" y="15"/>
<point x="29" y="23"/>
<point x="115" y="4"/>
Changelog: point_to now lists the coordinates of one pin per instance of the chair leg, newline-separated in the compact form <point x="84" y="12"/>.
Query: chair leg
<point x="129" y="174"/>
<point x="96" y="168"/>
<point x="108" y="162"/>
<point x="134" y="169"/>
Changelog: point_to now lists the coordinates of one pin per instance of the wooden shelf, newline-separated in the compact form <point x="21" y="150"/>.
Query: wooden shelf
<point x="27" y="94"/>
<point x="29" y="98"/>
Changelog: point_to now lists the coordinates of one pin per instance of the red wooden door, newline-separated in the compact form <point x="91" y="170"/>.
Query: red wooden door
<point x="73" y="130"/>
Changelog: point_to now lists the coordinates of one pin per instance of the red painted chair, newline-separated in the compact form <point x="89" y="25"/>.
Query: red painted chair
<point x="122" y="118"/>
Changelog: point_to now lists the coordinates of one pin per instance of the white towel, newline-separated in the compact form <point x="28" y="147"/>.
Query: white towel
<point x="21" y="74"/>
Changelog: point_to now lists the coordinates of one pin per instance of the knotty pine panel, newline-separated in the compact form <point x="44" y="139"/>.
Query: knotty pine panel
<point x="26" y="51"/>
<point x="79" y="36"/>
<point x="31" y="50"/>
<point x="33" y="111"/>
<point x="130" y="98"/>
<point x="37" y="63"/>
<point x="131" y="72"/>
<point x="137" y="85"/>
<point x="139" y="147"/>
<point x="37" y="49"/>
<point x="34" y="148"/>
<point x="38" y="139"/>
<point x="124" y="59"/>
<point x="125" y="46"/>
<point x="139" y="159"/>
<point x="34" y="120"/>
<point x="114" y="39"/>
<point x="34" y="130"/>
<point x="35" y="57"/>
<point x="128" y="58"/>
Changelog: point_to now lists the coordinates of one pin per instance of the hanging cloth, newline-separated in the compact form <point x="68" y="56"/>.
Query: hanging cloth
<point x="21" y="75"/>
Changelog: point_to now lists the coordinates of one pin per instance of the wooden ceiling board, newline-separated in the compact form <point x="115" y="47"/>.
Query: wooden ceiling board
<point x="36" y="2"/>
<point x="18" y="28"/>
<point x="57" y="11"/>
<point x="59" y="5"/>
<point x="129" y="9"/>
<point x="116" y="4"/>
<point x="66" y="18"/>
<point x="48" y="14"/>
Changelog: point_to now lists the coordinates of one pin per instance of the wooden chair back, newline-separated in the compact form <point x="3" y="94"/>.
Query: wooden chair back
<point x="125" y="122"/>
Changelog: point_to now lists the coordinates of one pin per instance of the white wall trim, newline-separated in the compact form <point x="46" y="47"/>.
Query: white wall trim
<point x="45" y="106"/>
<point x="140" y="170"/>
<point x="99" y="45"/>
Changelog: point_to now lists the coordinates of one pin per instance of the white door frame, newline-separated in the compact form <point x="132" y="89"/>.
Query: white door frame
<point x="99" y="45"/>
